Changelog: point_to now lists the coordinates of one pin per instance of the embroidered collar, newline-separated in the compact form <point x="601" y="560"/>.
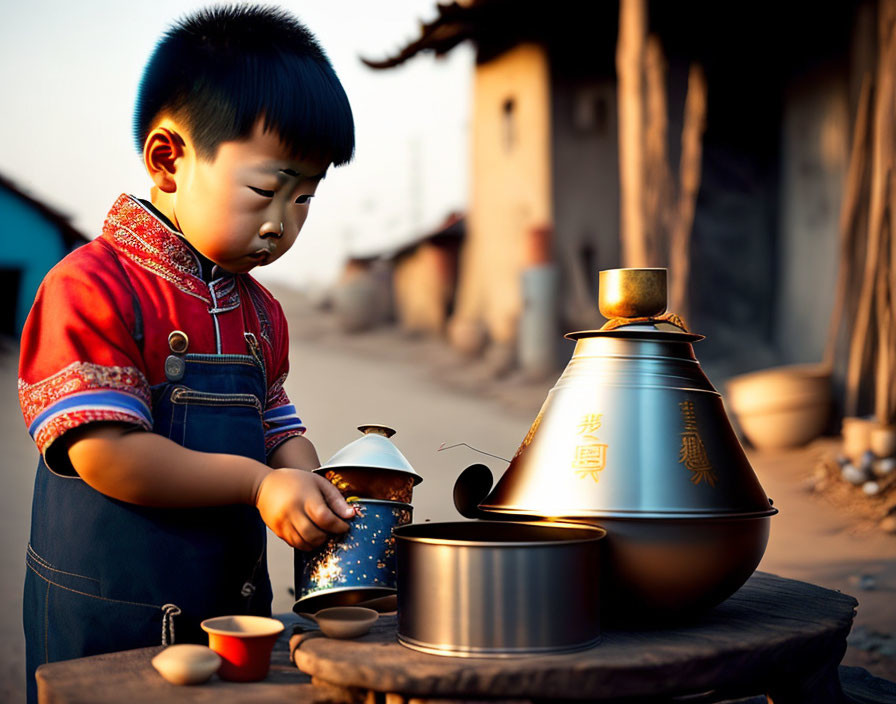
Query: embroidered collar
<point x="136" y="232"/>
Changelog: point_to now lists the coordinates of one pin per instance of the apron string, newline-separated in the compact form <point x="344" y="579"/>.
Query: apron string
<point x="169" y="611"/>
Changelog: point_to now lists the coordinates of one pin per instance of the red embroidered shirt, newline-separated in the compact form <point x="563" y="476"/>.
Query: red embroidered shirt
<point x="79" y="359"/>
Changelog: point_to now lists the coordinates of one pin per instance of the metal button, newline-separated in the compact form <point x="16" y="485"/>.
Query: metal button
<point x="178" y="342"/>
<point x="174" y="368"/>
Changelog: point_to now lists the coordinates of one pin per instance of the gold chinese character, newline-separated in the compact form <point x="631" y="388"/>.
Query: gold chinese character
<point x="589" y="423"/>
<point x="591" y="454"/>
<point x="590" y="459"/>
<point x="693" y="452"/>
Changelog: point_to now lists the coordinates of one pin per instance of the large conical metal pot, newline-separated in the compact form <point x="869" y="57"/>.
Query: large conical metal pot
<point x="634" y="438"/>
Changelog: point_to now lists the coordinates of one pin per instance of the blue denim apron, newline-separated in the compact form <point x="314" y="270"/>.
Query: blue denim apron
<point x="104" y="575"/>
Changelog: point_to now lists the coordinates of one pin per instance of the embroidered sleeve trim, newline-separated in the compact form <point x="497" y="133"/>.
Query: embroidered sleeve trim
<point x="281" y="414"/>
<point x="57" y="426"/>
<point x="281" y="421"/>
<point x="98" y="401"/>
<point x="83" y="393"/>
<point x="278" y="420"/>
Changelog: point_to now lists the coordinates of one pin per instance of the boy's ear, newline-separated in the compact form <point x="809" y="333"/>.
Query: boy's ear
<point x="161" y="150"/>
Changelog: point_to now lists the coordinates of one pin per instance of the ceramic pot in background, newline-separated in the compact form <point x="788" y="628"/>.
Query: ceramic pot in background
<point x="783" y="406"/>
<point x="856" y="433"/>
<point x="537" y="338"/>
<point x="882" y="441"/>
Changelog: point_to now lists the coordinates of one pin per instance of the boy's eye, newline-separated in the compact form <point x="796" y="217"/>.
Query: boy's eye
<point x="304" y="198"/>
<point x="262" y="192"/>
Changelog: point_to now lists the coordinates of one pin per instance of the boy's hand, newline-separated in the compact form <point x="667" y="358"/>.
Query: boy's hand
<point x="301" y="507"/>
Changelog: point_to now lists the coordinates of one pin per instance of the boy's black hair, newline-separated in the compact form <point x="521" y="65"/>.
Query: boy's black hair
<point x="222" y="68"/>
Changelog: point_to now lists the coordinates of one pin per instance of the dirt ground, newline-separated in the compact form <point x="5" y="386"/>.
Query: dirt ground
<point x="434" y="398"/>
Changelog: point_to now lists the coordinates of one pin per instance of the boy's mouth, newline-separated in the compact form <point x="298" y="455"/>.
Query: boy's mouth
<point x="262" y="256"/>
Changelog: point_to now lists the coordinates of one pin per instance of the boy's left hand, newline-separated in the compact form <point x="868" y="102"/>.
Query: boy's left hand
<point x="301" y="507"/>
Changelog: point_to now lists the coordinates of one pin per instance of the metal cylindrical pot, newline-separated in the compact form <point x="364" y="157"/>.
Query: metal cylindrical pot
<point x="498" y="589"/>
<point x="355" y="566"/>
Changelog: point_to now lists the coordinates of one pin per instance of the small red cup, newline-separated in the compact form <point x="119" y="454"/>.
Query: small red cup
<point x="244" y="644"/>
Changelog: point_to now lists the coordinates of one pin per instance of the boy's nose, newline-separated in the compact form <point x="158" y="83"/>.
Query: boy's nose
<point x="269" y="229"/>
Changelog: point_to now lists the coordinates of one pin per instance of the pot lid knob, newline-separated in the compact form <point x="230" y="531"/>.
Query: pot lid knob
<point x="377" y="429"/>
<point x="628" y="297"/>
<point x="632" y="293"/>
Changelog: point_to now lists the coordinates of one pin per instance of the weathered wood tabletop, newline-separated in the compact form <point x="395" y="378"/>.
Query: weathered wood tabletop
<point x="774" y="636"/>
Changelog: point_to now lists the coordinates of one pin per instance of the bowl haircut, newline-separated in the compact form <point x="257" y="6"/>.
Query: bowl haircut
<point x="221" y="69"/>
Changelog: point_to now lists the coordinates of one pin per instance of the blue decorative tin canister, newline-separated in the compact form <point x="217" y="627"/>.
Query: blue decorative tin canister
<point x="355" y="566"/>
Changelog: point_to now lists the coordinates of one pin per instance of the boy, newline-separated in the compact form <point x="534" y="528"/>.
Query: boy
<point x="152" y="364"/>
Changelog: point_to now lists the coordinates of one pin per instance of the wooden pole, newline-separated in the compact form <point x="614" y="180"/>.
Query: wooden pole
<point x="629" y="69"/>
<point x="658" y="187"/>
<point x="689" y="185"/>
<point x="881" y="167"/>
<point x="882" y="378"/>
<point x="849" y="225"/>
<point x="891" y="311"/>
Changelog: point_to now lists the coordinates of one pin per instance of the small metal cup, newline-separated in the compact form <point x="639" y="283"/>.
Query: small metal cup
<point x="632" y="293"/>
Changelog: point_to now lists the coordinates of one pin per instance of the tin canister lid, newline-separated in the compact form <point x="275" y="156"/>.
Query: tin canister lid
<point x="372" y="451"/>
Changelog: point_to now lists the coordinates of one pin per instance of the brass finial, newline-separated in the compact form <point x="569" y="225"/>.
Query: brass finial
<point x="377" y="429"/>
<point x="632" y="293"/>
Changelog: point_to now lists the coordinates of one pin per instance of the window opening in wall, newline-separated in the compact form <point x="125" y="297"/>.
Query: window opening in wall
<point x="508" y="120"/>
<point x="10" y="281"/>
<point x="588" y="258"/>
<point x="590" y="112"/>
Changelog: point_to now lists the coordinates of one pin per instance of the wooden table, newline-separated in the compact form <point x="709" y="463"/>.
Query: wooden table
<point x="775" y="636"/>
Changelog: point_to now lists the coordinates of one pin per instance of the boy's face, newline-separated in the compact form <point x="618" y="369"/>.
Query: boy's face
<point x="246" y="207"/>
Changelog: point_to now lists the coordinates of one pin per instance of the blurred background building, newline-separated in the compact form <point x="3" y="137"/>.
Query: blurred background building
<point x="33" y="237"/>
<point x="709" y="137"/>
<point x="741" y="146"/>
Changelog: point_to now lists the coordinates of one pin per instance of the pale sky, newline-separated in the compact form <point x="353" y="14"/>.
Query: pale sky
<point x="69" y="73"/>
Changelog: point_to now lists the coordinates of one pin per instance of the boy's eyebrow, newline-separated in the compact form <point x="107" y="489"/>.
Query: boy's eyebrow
<point x="290" y="172"/>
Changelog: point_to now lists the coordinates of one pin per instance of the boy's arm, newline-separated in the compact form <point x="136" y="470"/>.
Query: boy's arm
<point x="297" y="452"/>
<point x="150" y="470"/>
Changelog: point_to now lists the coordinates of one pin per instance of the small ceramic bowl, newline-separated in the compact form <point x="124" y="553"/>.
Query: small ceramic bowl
<point x="344" y="621"/>
<point x="244" y="644"/>
<point x="187" y="664"/>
